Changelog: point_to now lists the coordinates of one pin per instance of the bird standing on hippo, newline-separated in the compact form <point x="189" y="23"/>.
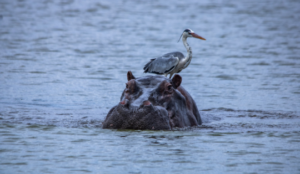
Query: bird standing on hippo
<point x="153" y="103"/>
<point x="173" y="62"/>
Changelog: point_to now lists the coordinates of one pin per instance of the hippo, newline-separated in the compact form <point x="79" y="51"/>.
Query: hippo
<point x="153" y="102"/>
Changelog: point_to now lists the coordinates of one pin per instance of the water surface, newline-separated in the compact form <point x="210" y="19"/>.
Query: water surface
<point x="63" y="65"/>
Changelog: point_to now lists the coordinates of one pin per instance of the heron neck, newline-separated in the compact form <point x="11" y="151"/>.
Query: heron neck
<point x="188" y="57"/>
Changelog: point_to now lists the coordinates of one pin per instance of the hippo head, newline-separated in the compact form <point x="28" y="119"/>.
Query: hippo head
<point x="153" y="102"/>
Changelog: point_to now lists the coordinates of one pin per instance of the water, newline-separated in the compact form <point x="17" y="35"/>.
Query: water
<point x="63" y="65"/>
<point x="48" y="149"/>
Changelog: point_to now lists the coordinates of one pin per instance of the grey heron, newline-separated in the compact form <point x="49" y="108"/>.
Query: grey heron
<point x="173" y="62"/>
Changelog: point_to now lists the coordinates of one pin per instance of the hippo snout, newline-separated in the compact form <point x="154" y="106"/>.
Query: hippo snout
<point x="125" y="107"/>
<point x="145" y="117"/>
<point x="126" y="103"/>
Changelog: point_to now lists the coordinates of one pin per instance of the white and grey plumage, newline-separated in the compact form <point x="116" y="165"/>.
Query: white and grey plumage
<point x="173" y="62"/>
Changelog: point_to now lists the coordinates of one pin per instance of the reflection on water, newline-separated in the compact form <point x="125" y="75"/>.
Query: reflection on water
<point x="63" y="65"/>
<point x="64" y="150"/>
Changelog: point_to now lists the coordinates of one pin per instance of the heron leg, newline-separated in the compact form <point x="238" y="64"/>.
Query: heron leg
<point x="166" y="75"/>
<point x="171" y="75"/>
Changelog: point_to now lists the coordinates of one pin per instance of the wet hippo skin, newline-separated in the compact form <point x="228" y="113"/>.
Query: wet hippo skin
<point x="154" y="103"/>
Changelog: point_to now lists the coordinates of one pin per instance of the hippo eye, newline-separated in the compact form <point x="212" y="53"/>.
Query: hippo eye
<point x="169" y="87"/>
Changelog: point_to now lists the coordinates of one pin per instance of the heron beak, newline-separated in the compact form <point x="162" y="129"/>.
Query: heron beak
<point x="197" y="36"/>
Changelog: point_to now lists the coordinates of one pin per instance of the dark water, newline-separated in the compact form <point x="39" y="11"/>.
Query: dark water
<point x="63" y="65"/>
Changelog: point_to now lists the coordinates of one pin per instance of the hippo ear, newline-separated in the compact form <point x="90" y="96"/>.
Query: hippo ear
<point x="130" y="75"/>
<point x="176" y="81"/>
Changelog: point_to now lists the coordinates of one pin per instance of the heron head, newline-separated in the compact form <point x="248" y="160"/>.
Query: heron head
<point x="190" y="33"/>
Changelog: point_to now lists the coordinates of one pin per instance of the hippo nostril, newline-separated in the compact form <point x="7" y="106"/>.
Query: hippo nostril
<point x="146" y="103"/>
<point x="125" y="102"/>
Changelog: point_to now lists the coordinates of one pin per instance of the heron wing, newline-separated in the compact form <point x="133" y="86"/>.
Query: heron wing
<point x="163" y="64"/>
